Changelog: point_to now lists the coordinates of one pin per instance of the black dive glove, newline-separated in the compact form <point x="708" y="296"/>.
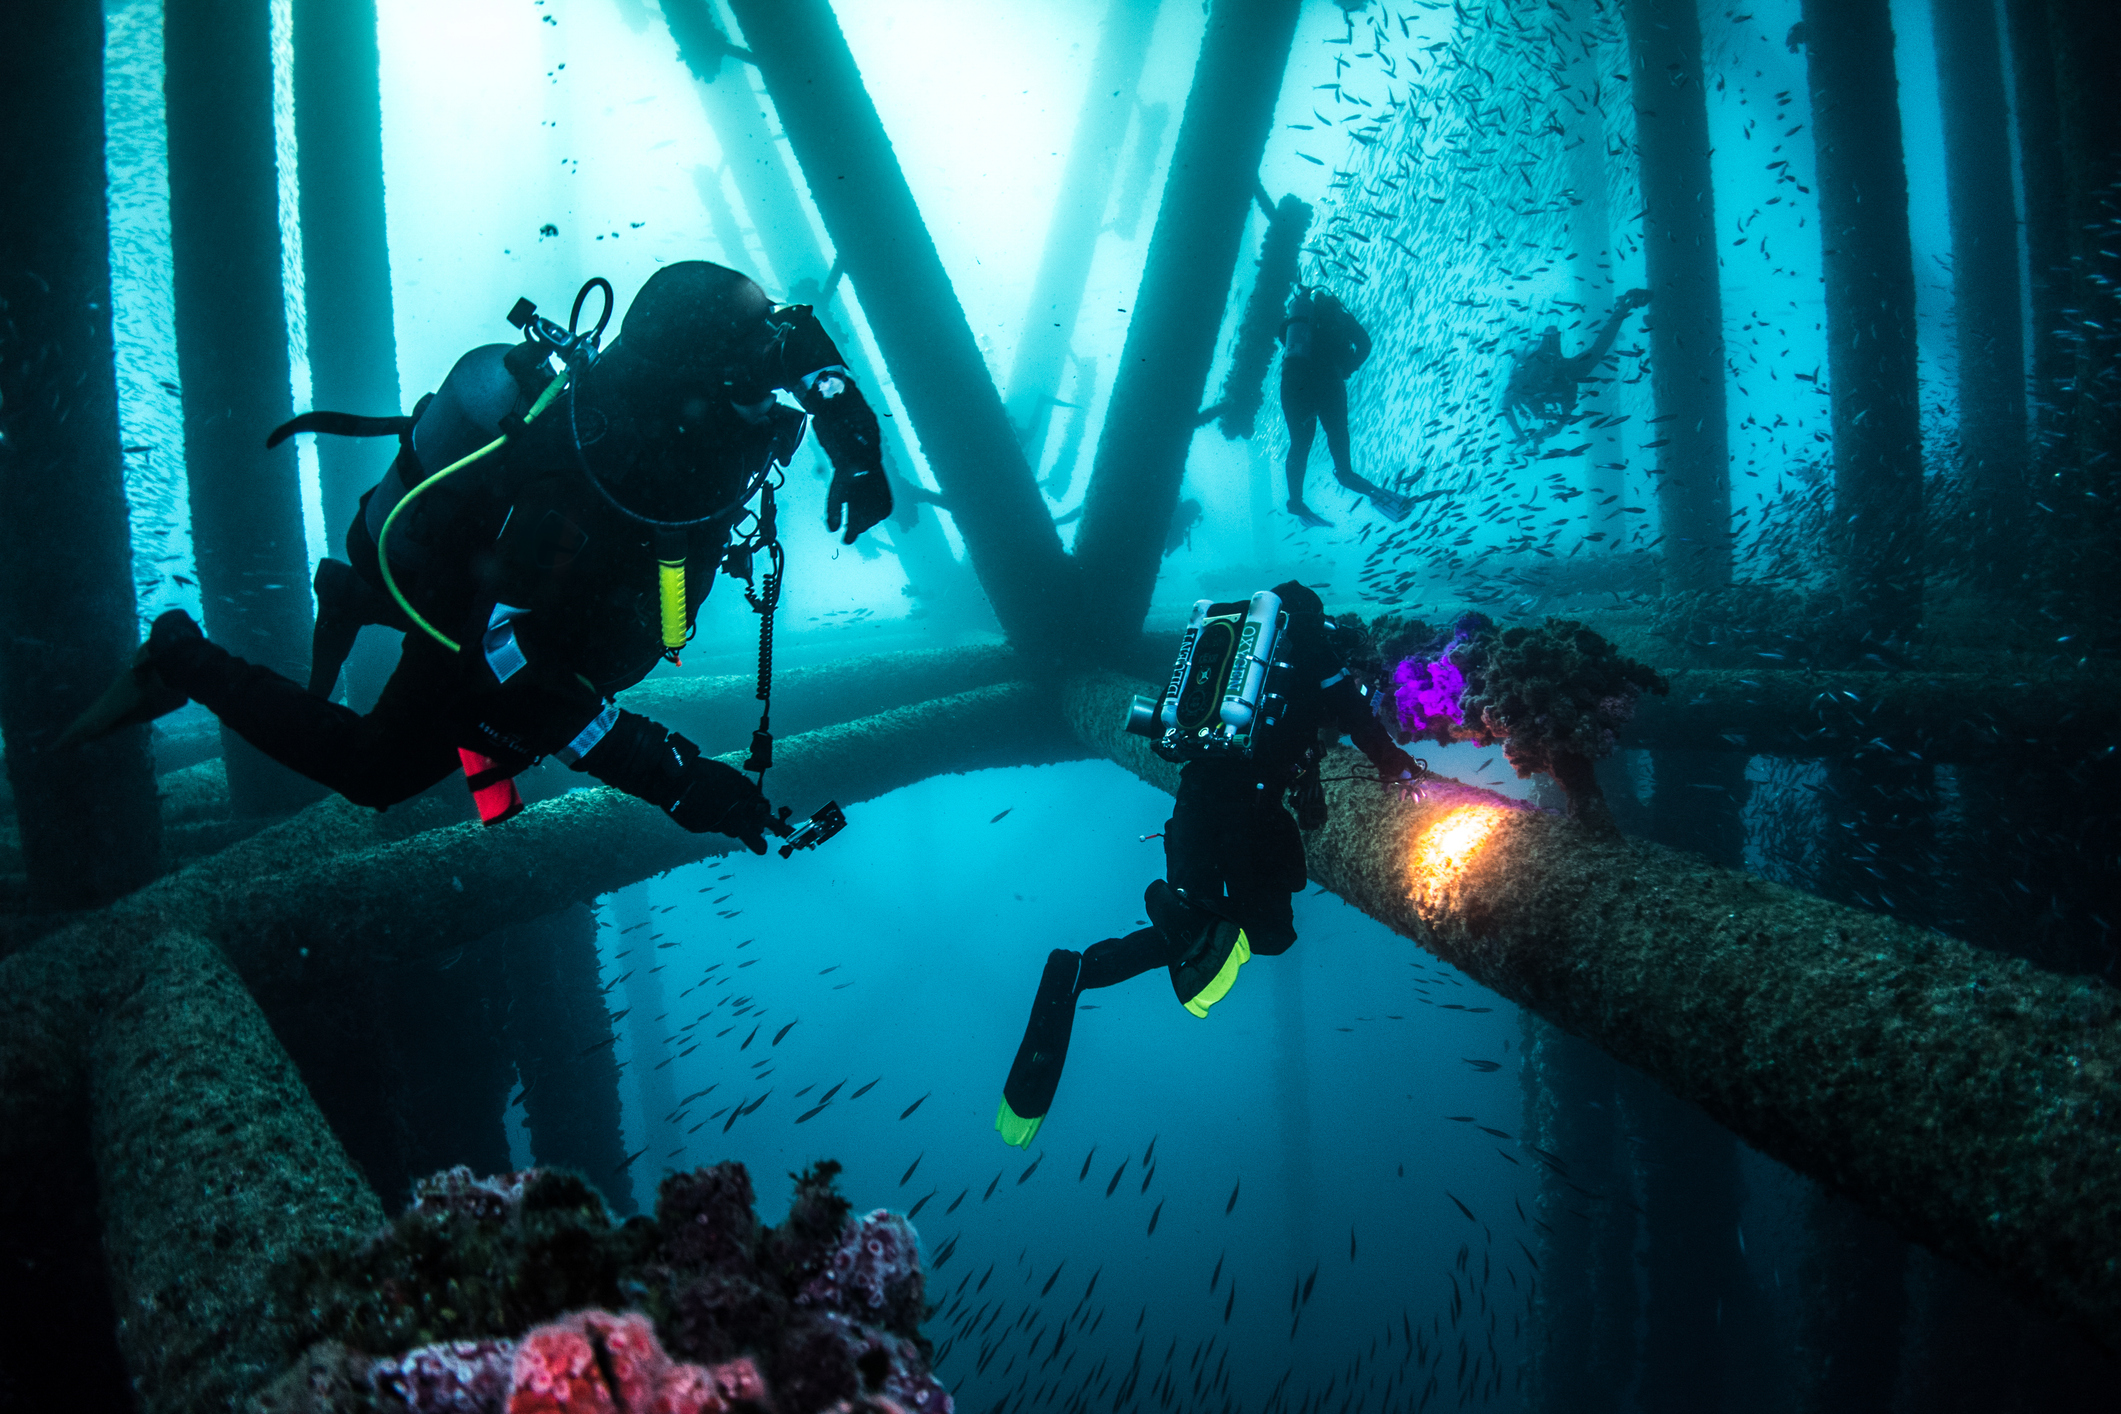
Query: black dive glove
<point x="1395" y="765"/>
<point x="847" y="430"/>
<point x="864" y="493"/>
<point x="701" y="794"/>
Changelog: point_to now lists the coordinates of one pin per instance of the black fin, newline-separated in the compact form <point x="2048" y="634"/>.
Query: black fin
<point x="339" y="424"/>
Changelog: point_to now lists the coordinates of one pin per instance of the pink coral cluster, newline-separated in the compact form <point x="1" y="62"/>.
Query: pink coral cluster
<point x="875" y="1253"/>
<point x="595" y="1362"/>
<point x="461" y="1193"/>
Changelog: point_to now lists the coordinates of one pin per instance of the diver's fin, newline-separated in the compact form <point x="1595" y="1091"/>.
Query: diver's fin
<point x="1391" y="505"/>
<point x="1309" y="517"/>
<point x="1015" y="1128"/>
<point x="138" y="695"/>
<point x="339" y="424"/>
<point x="1033" y="1079"/>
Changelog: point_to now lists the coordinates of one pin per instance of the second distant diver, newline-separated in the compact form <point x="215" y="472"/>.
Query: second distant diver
<point x="1322" y="346"/>
<point x="544" y="541"/>
<point x="1540" y="398"/>
<point x="1233" y="854"/>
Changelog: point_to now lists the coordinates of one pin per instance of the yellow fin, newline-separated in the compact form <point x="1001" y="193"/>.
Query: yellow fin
<point x="1219" y="985"/>
<point x="1015" y="1128"/>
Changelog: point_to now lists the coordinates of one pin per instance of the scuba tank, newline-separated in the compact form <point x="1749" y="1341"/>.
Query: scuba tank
<point x="1218" y="702"/>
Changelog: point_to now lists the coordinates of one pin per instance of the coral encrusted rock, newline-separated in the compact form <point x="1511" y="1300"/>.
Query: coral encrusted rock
<point x="517" y="1294"/>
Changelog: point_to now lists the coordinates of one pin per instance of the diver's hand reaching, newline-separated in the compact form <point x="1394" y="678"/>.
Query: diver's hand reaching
<point x="717" y="798"/>
<point x="863" y="494"/>
<point x="663" y="768"/>
<point x="1635" y="299"/>
<point x="1395" y="765"/>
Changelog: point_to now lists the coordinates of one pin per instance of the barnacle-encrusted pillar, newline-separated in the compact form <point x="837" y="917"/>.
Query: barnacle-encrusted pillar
<point x="1971" y="1100"/>
<point x="879" y="238"/>
<point x="213" y="1165"/>
<point x="1150" y="417"/>
<point x="556" y="1019"/>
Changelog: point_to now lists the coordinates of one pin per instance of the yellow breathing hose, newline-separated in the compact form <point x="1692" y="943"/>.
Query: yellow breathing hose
<point x="390" y="581"/>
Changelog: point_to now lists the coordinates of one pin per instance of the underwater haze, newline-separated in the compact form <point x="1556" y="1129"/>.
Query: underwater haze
<point x="1680" y="434"/>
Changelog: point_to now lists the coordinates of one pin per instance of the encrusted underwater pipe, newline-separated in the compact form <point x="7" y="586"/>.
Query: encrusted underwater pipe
<point x="295" y="931"/>
<point x="331" y="879"/>
<point x="213" y="1166"/>
<point x="1971" y="1100"/>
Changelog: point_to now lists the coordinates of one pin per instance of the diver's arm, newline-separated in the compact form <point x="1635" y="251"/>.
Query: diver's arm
<point x="1359" y="337"/>
<point x="1350" y="709"/>
<point x="635" y="755"/>
<point x="810" y="367"/>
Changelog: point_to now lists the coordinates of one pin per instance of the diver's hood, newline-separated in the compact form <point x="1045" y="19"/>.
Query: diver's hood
<point x="1300" y="598"/>
<point x="654" y="416"/>
<point x="662" y="450"/>
<point x="698" y="322"/>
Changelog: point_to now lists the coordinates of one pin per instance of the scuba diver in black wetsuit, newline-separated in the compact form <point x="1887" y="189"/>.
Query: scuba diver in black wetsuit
<point x="1233" y="855"/>
<point x="1322" y="346"/>
<point x="543" y="542"/>
<point x="1542" y="388"/>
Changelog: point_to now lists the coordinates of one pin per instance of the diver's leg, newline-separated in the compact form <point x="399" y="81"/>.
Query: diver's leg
<point x="1117" y="960"/>
<point x="1207" y="947"/>
<point x="1333" y="412"/>
<point x="392" y="754"/>
<point x="1299" y="410"/>
<point x="345" y="604"/>
<point x="1193" y="842"/>
<point x="1267" y="872"/>
<point x="1035" y="1075"/>
<point x="1033" y="1079"/>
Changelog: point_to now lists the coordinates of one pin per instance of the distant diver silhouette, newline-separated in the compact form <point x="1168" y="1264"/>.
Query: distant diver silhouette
<point x="1540" y="398"/>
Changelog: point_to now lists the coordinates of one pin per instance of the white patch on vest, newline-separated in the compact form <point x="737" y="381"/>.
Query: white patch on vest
<point x="503" y="654"/>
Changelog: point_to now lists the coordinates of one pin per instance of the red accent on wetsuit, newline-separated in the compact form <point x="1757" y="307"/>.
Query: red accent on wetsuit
<point x="494" y="794"/>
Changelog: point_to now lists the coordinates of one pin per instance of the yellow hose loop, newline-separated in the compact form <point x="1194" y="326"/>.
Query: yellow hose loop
<point x="390" y="581"/>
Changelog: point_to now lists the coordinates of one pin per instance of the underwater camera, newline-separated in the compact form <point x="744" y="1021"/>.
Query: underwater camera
<point x="809" y="834"/>
<point x="1218" y="702"/>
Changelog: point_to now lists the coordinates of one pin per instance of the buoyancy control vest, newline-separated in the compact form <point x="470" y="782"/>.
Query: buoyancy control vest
<point x="1252" y="685"/>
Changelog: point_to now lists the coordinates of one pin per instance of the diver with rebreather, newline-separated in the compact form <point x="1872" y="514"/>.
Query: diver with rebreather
<point x="556" y="513"/>
<point x="1540" y="398"/>
<point x="1253" y="685"/>
<point x="1322" y="347"/>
